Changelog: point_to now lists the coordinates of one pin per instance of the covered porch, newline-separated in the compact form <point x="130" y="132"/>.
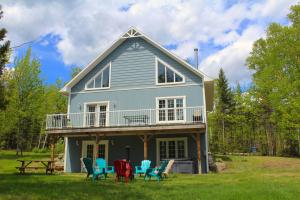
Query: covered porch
<point x="185" y="143"/>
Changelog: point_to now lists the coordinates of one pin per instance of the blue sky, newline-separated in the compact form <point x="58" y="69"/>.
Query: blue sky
<point x="66" y="34"/>
<point x="52" y="65"/>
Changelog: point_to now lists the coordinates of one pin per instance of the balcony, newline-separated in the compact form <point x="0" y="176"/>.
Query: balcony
<point x="126" y="118"/>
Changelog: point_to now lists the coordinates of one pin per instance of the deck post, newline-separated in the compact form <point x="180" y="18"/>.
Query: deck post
<point x="97" y="146"/>
<point x="145" y="147"/>
<point x="198" y="152"/>
<point x="53" y="140"/>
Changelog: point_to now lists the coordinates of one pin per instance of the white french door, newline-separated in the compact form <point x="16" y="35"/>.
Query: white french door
<point x="96" y="114"/>
<point x="93" y="151"/>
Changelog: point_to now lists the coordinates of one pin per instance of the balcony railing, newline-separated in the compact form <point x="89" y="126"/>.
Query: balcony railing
<point x="143" y="117"/>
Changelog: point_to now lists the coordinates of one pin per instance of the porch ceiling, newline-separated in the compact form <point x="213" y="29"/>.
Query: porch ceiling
<point x="129" y="130"/>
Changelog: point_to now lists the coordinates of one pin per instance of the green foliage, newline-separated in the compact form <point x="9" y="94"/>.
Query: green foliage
<point x="75" y="71"/>
<point x="60" y="147"/>
<point x="224" y="98"/>
<point x="4" y="58"/>
<point x="29" y="100"/>
<point x="268" y="115"/>
<point x="39" y="150"/>
<point x="221" y="118"/>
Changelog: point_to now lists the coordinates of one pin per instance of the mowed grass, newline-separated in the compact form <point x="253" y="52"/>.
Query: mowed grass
<point x="250" y="177"/>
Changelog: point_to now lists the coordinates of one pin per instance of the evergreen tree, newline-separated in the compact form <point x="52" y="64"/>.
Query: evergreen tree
<point x="224" y="100"/>
<point x="224" y="103"/>
<point x="4" y="58"/>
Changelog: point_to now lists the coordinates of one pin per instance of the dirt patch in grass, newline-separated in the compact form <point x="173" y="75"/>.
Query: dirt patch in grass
<point x="282" y="163"/>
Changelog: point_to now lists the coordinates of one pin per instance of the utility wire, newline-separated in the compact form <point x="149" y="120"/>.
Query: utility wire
<point x="20" y="45"/>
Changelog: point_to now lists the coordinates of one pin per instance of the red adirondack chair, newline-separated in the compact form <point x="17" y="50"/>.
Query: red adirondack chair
<point x="123" y="170"/>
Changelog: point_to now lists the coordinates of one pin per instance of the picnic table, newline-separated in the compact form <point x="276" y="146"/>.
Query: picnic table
<point x="136" y="119"/>
<point x="28" y="164"/>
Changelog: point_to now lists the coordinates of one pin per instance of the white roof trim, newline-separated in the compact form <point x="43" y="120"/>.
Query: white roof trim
<point x="132" y="32"/>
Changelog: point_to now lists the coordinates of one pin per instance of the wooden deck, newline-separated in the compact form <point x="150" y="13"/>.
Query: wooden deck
<point x="129" y="130"/>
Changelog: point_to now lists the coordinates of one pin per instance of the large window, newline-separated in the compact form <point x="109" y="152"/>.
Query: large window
<point x="100" y="80"/>
<point x="167" y="75"/>
<point x="172" y="148"/>
<point x="170" y="109"/>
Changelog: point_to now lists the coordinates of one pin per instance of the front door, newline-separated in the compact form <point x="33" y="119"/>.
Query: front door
<point x="93" y="151"/>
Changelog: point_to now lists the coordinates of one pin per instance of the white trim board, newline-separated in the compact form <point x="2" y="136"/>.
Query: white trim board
<point x="140" y="88"/>
<point x="66" y="141"/>
<point x="118" y="42"/>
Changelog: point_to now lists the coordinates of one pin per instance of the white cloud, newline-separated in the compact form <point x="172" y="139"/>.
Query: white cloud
<point x="86" y="28"/>
<point x="232" y="58"/>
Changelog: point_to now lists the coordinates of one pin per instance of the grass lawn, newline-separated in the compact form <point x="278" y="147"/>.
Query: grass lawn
<point x="246" y="178"/>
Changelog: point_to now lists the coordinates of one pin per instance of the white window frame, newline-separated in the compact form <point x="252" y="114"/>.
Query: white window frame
<point x="172" y="121"/>
<point x="97" y="103"/>
<point x="158" y="140"/>
<point x="168" y="66"/>
<point x="94" y="77"/>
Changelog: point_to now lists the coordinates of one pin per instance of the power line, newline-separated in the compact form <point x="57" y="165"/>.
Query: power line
<point x="22" y="44"/>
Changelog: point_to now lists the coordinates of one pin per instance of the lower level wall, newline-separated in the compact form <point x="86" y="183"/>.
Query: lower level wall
<point x="117" y="150"/>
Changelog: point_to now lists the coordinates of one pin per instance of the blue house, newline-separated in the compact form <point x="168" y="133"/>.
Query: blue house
<point x="136" y="101"/>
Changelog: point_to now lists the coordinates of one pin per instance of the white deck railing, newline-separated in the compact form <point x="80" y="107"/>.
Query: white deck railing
<point x="143" y="117"/>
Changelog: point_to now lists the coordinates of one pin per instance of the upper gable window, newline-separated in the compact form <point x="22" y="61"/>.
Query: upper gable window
<point x="100" y="80"/>
<point x="167" y="75"/>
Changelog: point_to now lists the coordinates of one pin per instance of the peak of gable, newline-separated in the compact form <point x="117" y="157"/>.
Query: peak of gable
<point x="132" y="32"/>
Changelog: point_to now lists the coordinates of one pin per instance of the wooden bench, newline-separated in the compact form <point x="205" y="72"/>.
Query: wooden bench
<point x="136" y="119"/>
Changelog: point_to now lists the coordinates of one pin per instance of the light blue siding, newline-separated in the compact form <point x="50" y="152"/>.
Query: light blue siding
<point x="133" y="79"/>
<point x="137" y="99"/>
<point x="73" y="155"/>
<point x="133" y="86"/>
<point x="133" y="65"/>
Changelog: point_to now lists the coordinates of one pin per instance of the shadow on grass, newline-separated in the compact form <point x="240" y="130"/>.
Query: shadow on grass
<point x="38" y="186"/>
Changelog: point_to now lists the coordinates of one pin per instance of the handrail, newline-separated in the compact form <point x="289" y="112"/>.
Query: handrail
<point x="140" y="117"/>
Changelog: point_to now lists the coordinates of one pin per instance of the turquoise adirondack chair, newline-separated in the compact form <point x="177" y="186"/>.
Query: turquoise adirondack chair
<point x="88" y="163"/>
<point x="156" y="172"/>
<point x="145" y="164"/>
<point x="101" y="164"/>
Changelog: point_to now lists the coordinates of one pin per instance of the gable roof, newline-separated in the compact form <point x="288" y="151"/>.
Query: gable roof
<point x="131" y="33"/>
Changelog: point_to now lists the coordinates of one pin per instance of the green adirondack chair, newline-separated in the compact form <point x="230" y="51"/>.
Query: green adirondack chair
<point x="145" y="164"/>
<point x="156" y="172"/>
<point x="88" y="164"/>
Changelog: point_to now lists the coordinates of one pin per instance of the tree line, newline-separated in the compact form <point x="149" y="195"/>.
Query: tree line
<point x="265" y="118"/>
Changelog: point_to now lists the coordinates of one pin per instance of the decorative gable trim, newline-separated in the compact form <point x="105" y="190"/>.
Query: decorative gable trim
<point x="132" y="33"/>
